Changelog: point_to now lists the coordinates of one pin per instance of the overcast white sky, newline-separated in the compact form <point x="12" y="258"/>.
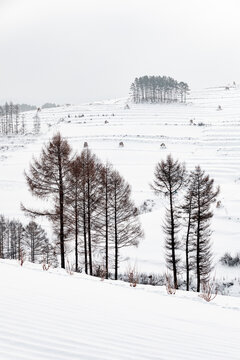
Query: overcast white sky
<point x="84" y="50"/>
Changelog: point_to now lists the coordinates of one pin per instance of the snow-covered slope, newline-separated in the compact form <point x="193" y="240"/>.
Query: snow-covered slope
<point x="214" y="145"/>
<point x="58" y="316"/>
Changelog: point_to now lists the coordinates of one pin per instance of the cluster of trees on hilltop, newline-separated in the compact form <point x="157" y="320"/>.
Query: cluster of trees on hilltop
<point x="28" y="242"/>
<point x="158" y="89"/>
<point x="91" y="208"/>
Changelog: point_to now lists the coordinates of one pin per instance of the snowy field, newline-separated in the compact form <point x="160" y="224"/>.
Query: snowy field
<point x="214" y="145"/>
<point x="56" y="316"/>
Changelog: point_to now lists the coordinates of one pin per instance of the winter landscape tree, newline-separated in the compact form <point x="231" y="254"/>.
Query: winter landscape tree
<point x="204" y="195"/>
<point x="169" y="177"/>
<point x="127" y="229"/>
<point x="188" y="207"/>
<point x="35" y="239"/>
<point x="25" y="242"/>
<point x="74" y="201"/>
<point x="47" y="179"/>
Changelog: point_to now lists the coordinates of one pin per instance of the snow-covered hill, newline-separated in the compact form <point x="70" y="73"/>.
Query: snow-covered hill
<point x="54" y="315"/>
<point x="196" y="132"/>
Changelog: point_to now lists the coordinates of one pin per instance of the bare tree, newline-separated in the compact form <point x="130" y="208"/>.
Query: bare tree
<point x="105" y="217"/>
<point x="92" y="168"/>
<point x="169" y="178"/>
<point x="35" y="238"/>
<point x="47" y="179"/>
<point x="188" y="207"/>
<point x="16" y="112"/>
<point x="204" y="195"/>
<point x="2" y="236"/>
<point x="74" y="204"/>
<point x="20" y="232"/>
<point x="127" y="229"/>
<point x="49" y="254"/>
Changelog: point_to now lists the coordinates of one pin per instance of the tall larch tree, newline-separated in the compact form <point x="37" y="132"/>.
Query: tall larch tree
<point x="127" y="228"/>
<point x="204" y="195"/>
<point x="169" y="177"/>
<point x="47" y="179"/>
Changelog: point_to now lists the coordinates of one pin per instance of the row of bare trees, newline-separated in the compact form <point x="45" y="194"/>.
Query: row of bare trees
<point x="11" y="123"/>
<point x="93" y="215"/>
<point x="9" y="119"/>
<point x="28" y="242"/>
<point x="91" y="208"/>
<point x="190" y="198"/>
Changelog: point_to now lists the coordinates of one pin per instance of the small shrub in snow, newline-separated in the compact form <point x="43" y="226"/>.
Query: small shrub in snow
<point x="229" y="260"/>
<point x="69" y="268"/>
<point x="147" y="206"/>
<point x="22" y="258"/>
<point x="209" y="290"/>
<point x="169" y="287"/>
<point x="45" y="267"/>
<point x="132" y="276"/>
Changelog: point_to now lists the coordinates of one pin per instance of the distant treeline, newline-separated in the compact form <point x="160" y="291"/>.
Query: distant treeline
<point x="28" y="242"/>
<point x="158" y="89"/>
<point x="11" y="123"/>
<point x="27" y="107"/>
<point x="9" y="119"/>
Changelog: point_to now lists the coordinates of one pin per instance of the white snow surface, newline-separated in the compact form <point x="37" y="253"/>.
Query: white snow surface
<point x="56" y="316"/>
<point x="215" y="146"/>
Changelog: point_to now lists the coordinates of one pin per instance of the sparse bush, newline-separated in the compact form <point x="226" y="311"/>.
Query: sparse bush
<point x="229" y="260"/>
<point x="171" y="290"/>
<point x="147" y="206"/>
<point x="69" y="268"/>
<point x="45" y="267"/>
<point x="132" y="276"/>
<point x="209" y="290"/>
<point x="99" y="271"/>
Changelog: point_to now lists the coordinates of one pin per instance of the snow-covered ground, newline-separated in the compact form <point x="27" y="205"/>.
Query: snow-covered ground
<point x="54" y="315"/>
<point x="215" y="146"/>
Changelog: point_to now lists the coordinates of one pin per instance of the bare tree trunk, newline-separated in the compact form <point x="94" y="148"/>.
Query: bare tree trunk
<point x="187" y="256"/>
<point x="61" y="215"/>
<point x="85" y="235"/>
<point x="76" y="235"/>
<point x="116" y="236"/>
<point x="89" y="228"/>
<point x="173" y="243"/>
<point x="187" y="243"/>
<point x="106" y="215"/>
<point x="198" y="255"/>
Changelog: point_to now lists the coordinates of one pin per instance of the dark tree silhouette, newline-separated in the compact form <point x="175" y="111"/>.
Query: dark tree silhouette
<point x="35" y="239"/>
<point x="91" y="199"/>
<point x="204" y="195"/>
<point x="74" y="200"/>
<point x="47" y="179"/>
<point x="169" y="177"/>
<point x="188" y="207"/>
<point x="127" y="229"/>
